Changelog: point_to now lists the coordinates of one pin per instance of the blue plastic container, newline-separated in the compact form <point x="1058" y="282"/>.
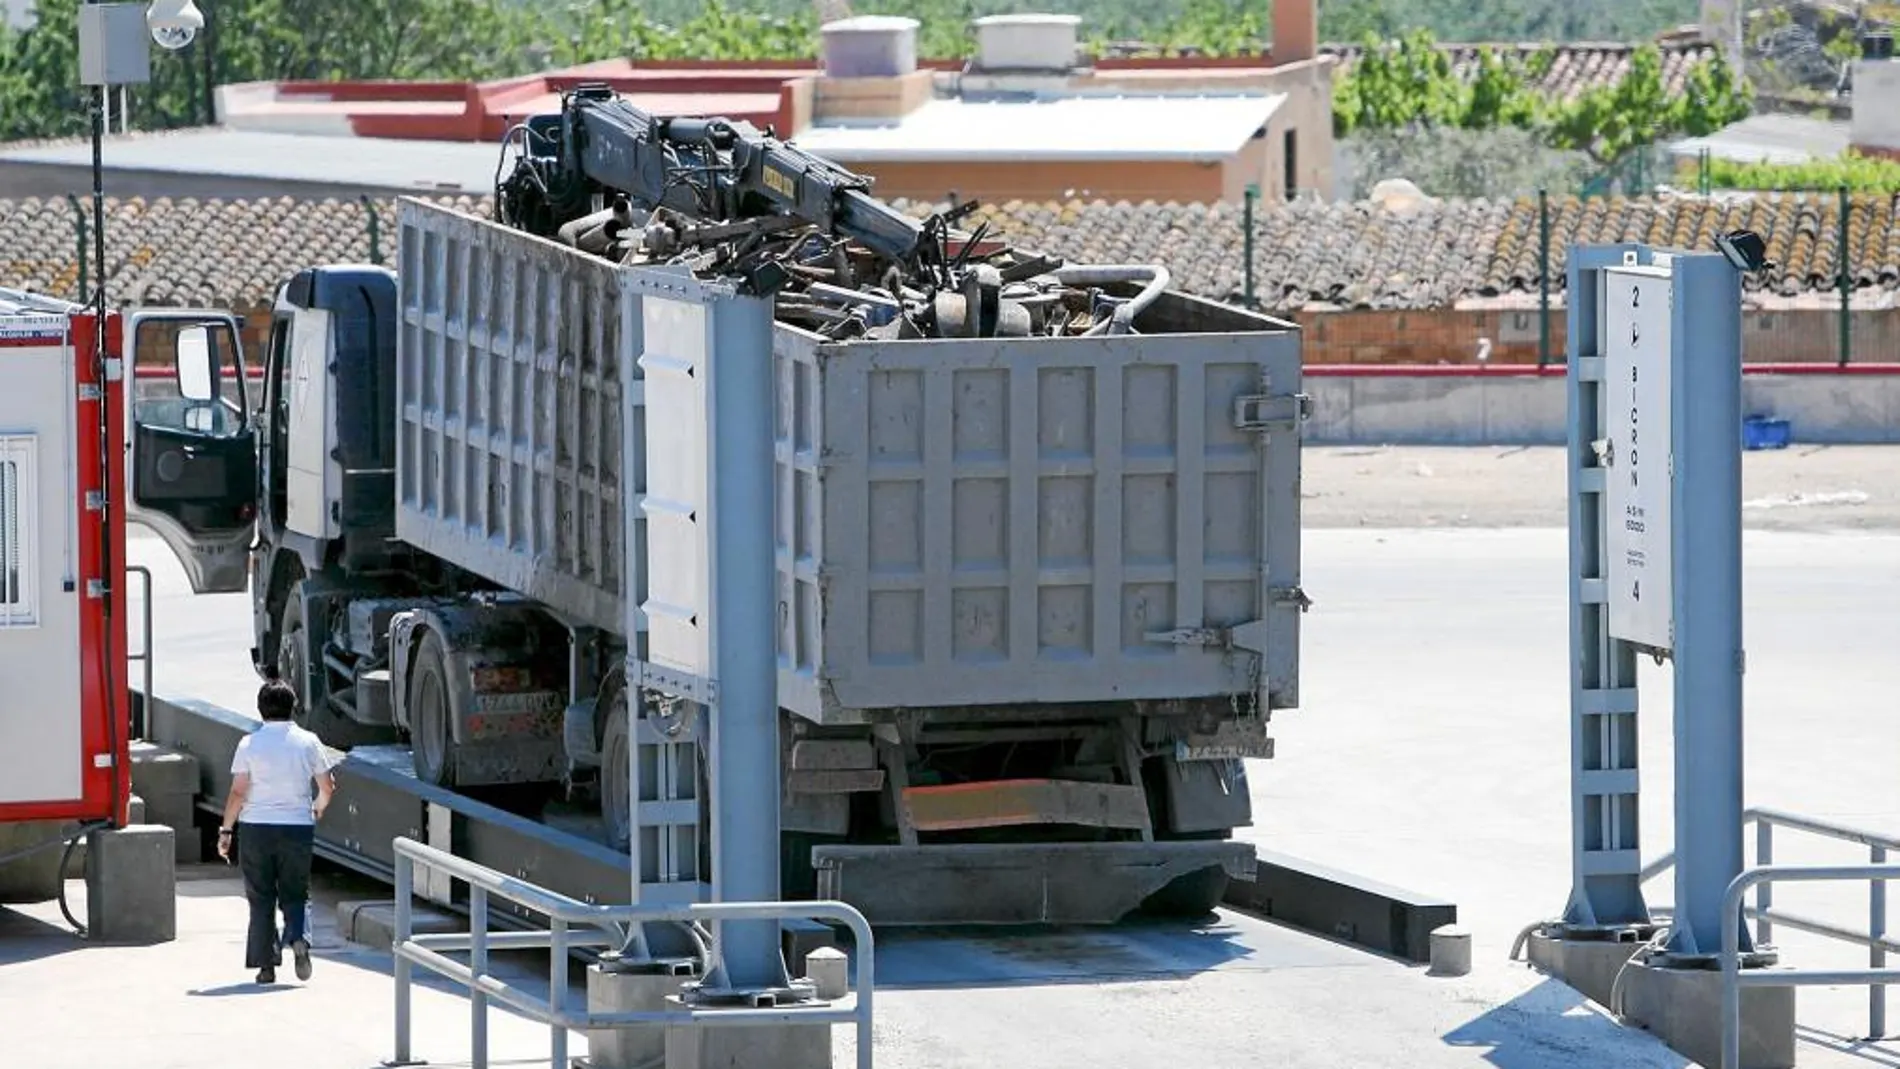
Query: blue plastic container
<point x="1765" y="432"/>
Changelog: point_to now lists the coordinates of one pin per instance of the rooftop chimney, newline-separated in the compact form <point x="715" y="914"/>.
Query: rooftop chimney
<point x="1041" y="44"/>
<point x="1295" y="30"/>
<point x="870" y="46"/>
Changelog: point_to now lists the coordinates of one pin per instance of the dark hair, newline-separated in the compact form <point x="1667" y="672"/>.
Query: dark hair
<point x="276" y="700"/>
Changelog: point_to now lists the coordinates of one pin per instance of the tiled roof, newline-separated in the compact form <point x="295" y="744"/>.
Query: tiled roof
<point x="1574" y="68"/>
<point x="1347" y="255"/>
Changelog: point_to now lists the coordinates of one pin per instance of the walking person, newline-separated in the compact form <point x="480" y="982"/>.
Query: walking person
<point x="273" y="820"/>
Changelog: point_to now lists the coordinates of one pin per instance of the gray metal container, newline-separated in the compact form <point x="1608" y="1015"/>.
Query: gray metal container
<point x="968" y="522"/>
<point x="515" y="360"/>
<point x="982" y="522"/>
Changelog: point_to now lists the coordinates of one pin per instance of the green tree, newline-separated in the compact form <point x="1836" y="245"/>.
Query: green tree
<point x="1398" y="83"/>
<point x="259" y="40"/>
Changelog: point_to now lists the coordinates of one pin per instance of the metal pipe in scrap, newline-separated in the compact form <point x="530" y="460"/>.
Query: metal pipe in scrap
<point x="1122" y="321"/>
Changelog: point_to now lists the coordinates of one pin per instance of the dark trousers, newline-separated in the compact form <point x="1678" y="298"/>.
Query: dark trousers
<point x="275" y="859"/>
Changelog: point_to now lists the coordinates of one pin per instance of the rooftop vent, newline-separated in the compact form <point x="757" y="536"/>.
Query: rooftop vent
<point x="1043" y="44"/>
<point x="870" y="46"/>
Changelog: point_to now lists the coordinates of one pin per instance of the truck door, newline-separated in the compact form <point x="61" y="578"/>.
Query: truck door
<point x="193" y="446"/>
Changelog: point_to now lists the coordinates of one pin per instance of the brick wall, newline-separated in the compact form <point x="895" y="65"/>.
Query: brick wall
<point x="1451" y="336"/>
<point x="1446" y="336"/>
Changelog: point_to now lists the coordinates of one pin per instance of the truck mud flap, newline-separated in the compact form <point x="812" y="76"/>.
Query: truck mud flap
<point x="1046" y="883"/>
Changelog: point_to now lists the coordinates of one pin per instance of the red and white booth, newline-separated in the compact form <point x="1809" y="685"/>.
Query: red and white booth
<point x="64" y="723"/>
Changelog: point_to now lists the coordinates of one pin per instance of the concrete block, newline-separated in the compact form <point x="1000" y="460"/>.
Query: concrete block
<point x="162" y="770"/>
<point x="800" y="937"/>
<point x="372" y="923"/>
<point x="614" y="990"/>
<point x="179" y="812"/>
<point x="830" y="970"/>
<point x="1683" y="1008"/>
<point x="1589" y="965"/>
<point x="777" y="1046"/>
<point x="1451" y="951"/>
<point x="168" y="779"/>
<point x="132" y="885"/>
<point x="76" y="868"/>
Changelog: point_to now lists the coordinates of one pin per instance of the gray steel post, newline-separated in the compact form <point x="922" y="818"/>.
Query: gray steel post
<point x="557" y="990"/>
<point x="405" y="891"/>
<point x="478" y="965"/>
<point x="1605" y="860"/>
<point x="1764" y="892"/>
<point x="1706" y="561"/>
<point x="743" y="742"/>
<point x="1877" y="956"/>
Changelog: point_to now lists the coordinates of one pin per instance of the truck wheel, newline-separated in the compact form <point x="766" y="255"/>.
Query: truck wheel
<point x="314" y="712"/>
<point x="433" y="738"/>
<point x="291" y="667"/>
<point x="616" y="809"/>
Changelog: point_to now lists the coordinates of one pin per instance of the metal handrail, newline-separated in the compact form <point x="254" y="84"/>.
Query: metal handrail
<point x="144" y="654"/>
<point x="1765" y="916"/>
<point x="1734" y="979"/>
<point x="610" y="921"/>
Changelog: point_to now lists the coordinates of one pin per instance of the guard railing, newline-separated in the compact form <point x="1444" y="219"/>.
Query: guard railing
<point x="601" y="926"/>
<point x="1765" y="916"/>
<point x="1734" y="978"/>
<point x="144" y="655"/>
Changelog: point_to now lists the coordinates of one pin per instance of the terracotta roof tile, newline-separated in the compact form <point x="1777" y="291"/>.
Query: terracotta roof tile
<point x="1360" y="255"/>
<point x="1574" y="68"/>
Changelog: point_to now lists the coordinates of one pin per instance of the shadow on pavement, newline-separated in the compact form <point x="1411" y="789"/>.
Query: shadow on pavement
<point x="24" y="938"/>
<point x="1882" y="1055"/>
<point x="229" y="990"/>
<point x="1002" y="957"/>
<point x="1551" y="1026"/>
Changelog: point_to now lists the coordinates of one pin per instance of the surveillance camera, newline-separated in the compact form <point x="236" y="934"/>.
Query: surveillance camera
<point x="174" y="23"/>
<point x="1745" y="250"/>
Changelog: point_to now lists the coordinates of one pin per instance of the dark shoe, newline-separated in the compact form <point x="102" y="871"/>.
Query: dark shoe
<point x="267" y="975"/>
<point x="300" y="952"/>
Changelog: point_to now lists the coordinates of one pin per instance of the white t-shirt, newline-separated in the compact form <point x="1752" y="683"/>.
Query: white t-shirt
<point x="283" y="760"/>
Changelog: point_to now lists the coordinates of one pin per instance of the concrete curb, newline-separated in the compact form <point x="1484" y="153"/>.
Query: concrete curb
<point x="1525" y="406"/>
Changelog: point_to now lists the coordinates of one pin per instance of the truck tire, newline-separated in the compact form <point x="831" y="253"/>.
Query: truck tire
<point x="616" y="749"/>
<point x="314" y="712"/>
<point x="432" y="735"/>
<point x="291" y="666"/>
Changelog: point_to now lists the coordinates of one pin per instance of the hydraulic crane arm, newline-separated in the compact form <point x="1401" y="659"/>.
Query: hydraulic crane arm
<point x="717" y="170"/>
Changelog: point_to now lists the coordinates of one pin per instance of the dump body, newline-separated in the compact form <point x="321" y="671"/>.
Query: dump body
<point x="960" y="522"/>
<point x="982" y="522"/>
<point x="514" y="362"/>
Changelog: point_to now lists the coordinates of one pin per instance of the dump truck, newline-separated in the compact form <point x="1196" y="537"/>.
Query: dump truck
<point x="1038" y="595"/>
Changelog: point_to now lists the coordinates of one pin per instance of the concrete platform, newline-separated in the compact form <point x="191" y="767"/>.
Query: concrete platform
<point x="1235" y="992"/>
<point x="371" y="923"/>
<point x="1425" y="651"/>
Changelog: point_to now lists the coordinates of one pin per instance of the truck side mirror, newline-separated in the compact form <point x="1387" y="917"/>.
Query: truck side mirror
<point x="197" y="374"/>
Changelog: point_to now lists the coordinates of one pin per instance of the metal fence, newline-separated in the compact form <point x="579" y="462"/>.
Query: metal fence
<point x="1830" y="298"/>
<point x="1762" y="879"/>
<point x="572" y="925"/>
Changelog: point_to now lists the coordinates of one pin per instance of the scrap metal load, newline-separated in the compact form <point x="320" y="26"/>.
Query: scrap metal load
<point x="722" y="198"/>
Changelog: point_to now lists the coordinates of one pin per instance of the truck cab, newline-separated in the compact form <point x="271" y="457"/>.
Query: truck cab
<point x="294" y="498"/>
